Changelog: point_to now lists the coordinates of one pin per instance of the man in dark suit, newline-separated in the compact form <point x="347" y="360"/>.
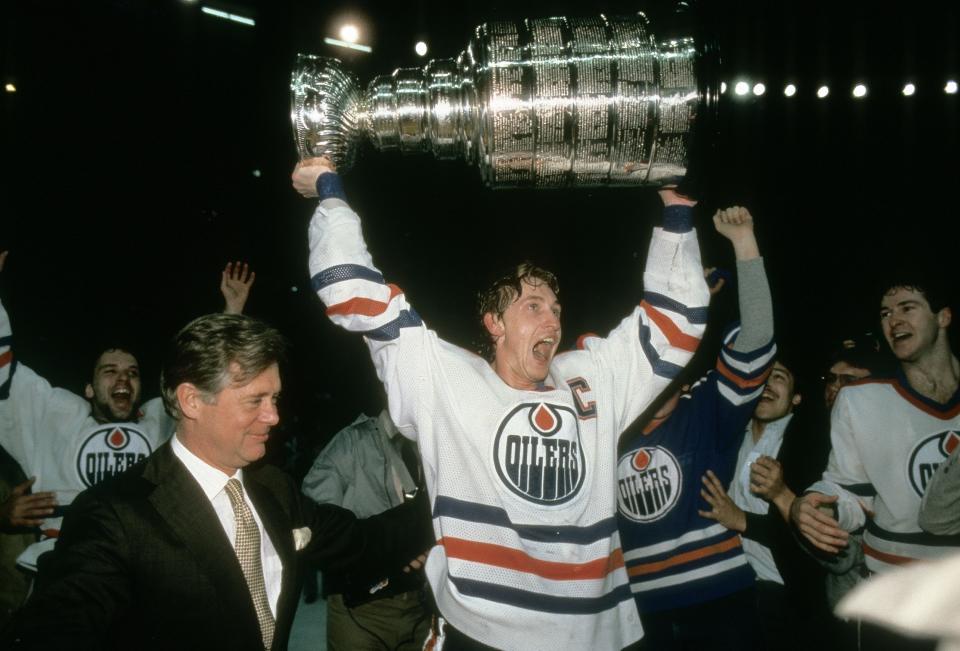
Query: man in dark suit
<point x="194" y="548"/>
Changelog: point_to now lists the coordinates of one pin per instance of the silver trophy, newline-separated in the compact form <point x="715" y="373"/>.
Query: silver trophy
<point x="540" y="103"/>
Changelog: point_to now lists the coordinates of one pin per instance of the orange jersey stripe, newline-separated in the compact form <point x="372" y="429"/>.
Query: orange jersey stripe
<point x="514" y="559"/>
<point x="5" y="358"/>
<point x="687" y="557"/>
<point x="893" y="559"/>
<point x="674" y="335"/>
<point x="725" y="371"/>
<point x="364" y="306"/>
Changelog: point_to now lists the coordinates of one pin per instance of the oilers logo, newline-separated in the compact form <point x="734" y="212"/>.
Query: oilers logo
<point x="648" y="484"/>
<point x="927" y="455"/>
<point x="537" y="453"/>
<point x="108" y="451"/>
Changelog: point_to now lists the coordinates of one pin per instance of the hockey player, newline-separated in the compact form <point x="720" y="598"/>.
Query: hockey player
<point x="67" y="443"/>
<point x="889" y="435"/>
<point x="689" y="575"/>
<point x="519" y="452"/>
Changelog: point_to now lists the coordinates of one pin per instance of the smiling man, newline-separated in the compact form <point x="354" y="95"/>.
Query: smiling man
<point x="196" y="547"/>
<point x="68" y="443"/>
<point x="889" y="435"/>
<point x="519" y="449"/>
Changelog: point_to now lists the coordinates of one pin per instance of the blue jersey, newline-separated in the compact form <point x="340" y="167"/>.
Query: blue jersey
<point x="675" y="557"/>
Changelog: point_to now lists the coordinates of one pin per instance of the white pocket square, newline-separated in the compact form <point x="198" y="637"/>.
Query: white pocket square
<point x="301" y="537"/>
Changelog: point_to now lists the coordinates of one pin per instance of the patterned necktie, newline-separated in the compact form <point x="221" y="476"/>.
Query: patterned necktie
<point x="248" y="553"/>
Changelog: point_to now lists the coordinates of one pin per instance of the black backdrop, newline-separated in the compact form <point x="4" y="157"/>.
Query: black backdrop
<point x="130" y="147"/>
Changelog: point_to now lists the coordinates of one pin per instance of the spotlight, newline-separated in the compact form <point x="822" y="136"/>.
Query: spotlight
<point x="742" y="88"/>
<point x="723" y="86"/>
<point x="349" y="33"/>
<point x="10" y="88"/>
<point x="859" y="91"/>
<point x="759" y="89"/>
<point x="909" y="89"/>
<point x="790" y="90"/>
<point x="420" y="48"/>
<point x="823" y="91"/>
<point x="950" y="88"/>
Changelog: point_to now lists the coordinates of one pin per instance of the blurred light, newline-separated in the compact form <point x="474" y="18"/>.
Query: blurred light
<point x="909" y="90"/>
<point x="294" y="289"/>
<point x="759" y="89"/>
<point x="420" y="48"/>
<point x="256" y="173"/>
<point x="10" y="88"/>
<point x="352" y="46"/>
<point x="742" y="88"/>
<point x="950" y="88"/>
<point x="823" y="91"/>
<point x="790" y="90"/>
<point x="243" y="20"/>
<point x="723" y="86"/>
<point x="859" y="91"/>
<point x="349" y="33"/>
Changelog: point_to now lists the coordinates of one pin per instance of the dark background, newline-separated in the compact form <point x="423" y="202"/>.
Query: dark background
<point x="130" y="147"/>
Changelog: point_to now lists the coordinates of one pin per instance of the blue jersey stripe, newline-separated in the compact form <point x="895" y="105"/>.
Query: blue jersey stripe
<point x="389" y="331"/>
<point x="342" y="272"/>
<point x="450" y="507"/>
<point x="697" y="315"/>
<point x="863" y="490"/>
<point x="918" y="538"/>
<point x="661" y="367"/>
<point x="542" y="602"/>
<point x="6" y="341"/>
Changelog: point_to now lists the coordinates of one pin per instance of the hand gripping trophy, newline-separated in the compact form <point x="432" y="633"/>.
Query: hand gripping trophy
<point x="540" y="103"/>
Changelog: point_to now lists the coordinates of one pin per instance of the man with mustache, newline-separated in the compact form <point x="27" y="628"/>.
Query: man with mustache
<point x="519" y="448"/>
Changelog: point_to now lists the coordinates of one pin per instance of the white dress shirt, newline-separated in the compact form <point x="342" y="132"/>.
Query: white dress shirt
<point x="212" y="482"/>
<point x="759" y="556"/>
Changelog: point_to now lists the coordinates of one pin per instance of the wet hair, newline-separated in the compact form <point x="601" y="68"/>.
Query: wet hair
<point x="504" y="291"/>
<point x="215" y="351"/>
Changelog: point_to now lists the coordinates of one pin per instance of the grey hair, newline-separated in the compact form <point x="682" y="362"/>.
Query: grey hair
<point x="215" y="351"/>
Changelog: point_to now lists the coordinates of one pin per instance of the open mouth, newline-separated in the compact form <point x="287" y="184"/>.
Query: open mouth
<point x="121" y="394"/>
<point x="543" y="348"/>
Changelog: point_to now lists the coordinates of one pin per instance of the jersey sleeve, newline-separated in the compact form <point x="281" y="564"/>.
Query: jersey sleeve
<point x="27" y="402"/>
<point x="358" y="299"/>
<point x="740" y="377"/>
<point x="649" y="348"/>
<point x="845" y="475"/>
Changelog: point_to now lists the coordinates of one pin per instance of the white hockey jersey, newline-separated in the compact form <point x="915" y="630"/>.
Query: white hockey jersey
<point x="522" y="483"/>
<point x="887" y="442"/>
<point x="53" y="436"/>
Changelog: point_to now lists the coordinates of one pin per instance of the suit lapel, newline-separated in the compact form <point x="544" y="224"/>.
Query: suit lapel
<point x="180" y="501"/>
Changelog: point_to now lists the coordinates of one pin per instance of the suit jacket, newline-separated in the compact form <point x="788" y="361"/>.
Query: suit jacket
<point x="143" y="562"/>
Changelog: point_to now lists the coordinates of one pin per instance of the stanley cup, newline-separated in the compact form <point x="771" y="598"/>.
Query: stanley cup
<point x="540" y="103"/>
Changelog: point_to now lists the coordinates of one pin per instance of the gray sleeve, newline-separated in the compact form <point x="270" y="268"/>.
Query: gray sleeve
<point x="938" y="511"/>
<point x="756" y="306"/>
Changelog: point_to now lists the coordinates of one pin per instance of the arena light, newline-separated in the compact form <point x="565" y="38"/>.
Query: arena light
<point x="350" y="46"/>
<point x="859" y="91"/>
<point x="823" y="91"/>
<point x="950" y="88"/>
<point x="420" y="48"/>
<point x="723" y="86"/>
<point x="10" y="88"/>
<point x="349" y="33"/>
<point x="908" y="90"/>
<point x="759" y="89"/>
<point x="742" y="88"/>
<point x="790" y="90"/>
<point x="236" y="18"/>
